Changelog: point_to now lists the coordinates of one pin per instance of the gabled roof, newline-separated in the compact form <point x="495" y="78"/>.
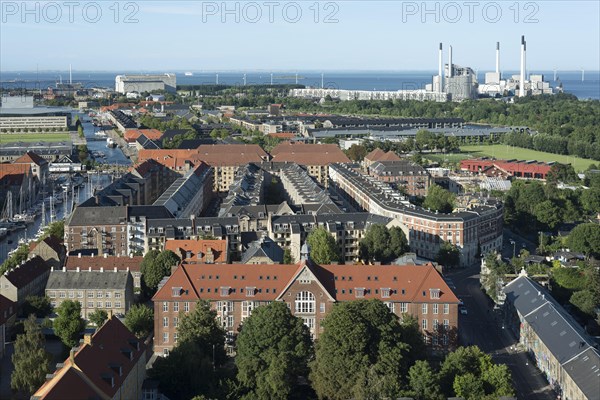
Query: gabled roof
<point x="31" y="157"/>
<point x="111" y="354"/>
<point x="264" y="247"/>
<point x="308" y="154"/>
<point x="202" y="246"/>
<point x="53" y="243"/>
<point x="584" y="369"/>
<point x="84" y="263"/>
<point x="23" y="274"/>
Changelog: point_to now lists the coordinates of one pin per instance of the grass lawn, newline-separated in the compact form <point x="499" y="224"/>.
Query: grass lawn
<point x="506" y="152"/>
<point x="34" y="137"/>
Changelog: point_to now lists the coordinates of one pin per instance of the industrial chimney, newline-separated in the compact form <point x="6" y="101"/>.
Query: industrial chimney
<point x="440" y="73"/>
<point x="450" y="62"/>
<point x="498" y="58"/>
<point x="522" y="78"/>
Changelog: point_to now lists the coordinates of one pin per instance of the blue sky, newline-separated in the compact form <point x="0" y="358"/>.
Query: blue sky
<point x="368" y="35"/>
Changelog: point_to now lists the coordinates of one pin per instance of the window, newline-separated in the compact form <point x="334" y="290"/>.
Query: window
<point x="424" y="324"/>
<point x="305" y="302"/>
<point x="250" y="291"/>
<point x="445" y="340"/>
<point x="165" y="306"/>
<point x="166" y="337"/>
<point x="225" y="291"/>
<point x="117" y="295"/>
<point x="385" y="292"/>
<point x="446" y="324"/>
<point x="99" y="304"/>
<point x="435" y="308"/>
<point x="435" y="324"/>
<point x="446" y="308"/>
<point x="176" y="306"/>
<point x="175" y="322"/>
<point x="434" y="293"/>
<point x="99" y="295"/>
<point x="117" y="304"/>
<point x="108" y="304"/>
<point x="390" y="305"/>
<point x="247" y="307"/>
<point x="310" y="323"/>
<point x="175" y="337"/>
<point x="165" y="322"/>
<point x="90" y="304"/>
<point x="176" y="291"/>
<point x="62" y="295"/>
<point x="403" y="308"/>
<point x="423" y="309"/>
<point x="359" y="292"/>
<point x="80" y="294"/>
<point x="322" y="307"/>
<point x="186" y="306"/>
<point x="52" y="295"/>
<point x="71" y="294"/>
<point x="166" y="351"/>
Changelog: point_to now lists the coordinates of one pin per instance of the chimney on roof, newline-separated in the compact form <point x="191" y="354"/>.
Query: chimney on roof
<point x="51" y="270"/>
<point x="72" y="355"/>
<point x="101" y="269"/>
<point x="87" y="339"/>
<point x="77" y="269"/>
<point x="115" y="269"/>
<point x="64" y="269"/>
<point x="79" y="255"/>
<point x="105" y="255"/>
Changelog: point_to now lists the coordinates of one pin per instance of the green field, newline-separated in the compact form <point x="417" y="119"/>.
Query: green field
<point x="507" y="152"/>
<point x="34" y="137"/>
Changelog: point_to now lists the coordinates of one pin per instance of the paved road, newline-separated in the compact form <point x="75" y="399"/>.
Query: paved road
<point x="483" y="327"/>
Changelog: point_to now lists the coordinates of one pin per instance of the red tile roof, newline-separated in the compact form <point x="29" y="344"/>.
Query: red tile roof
<point x="131" y="135"/>
<point x="31" y="157"/>
<point x="406" y="283"/>
<point x="84" y="263"/>
<point x="12" y="174"/>
<point x="309" y="154"/>
<point x="380" y="155"/>
<point x="111" y="347"/>
<point x="181" y="247"/>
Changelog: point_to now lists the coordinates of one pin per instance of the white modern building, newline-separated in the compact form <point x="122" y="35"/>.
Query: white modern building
<point x="145" y="83"/>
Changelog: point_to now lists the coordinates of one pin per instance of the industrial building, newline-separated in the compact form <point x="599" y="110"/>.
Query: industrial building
<point x="18" y="113"/>
<point x="145" y="83"/>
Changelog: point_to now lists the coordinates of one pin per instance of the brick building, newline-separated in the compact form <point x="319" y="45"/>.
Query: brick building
<point x="406" y="175"/>
<point x="516" y="168"/>
<point x="310" y="291"/>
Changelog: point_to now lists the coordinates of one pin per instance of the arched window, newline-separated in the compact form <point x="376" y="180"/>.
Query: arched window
<point x="305" y="303"/>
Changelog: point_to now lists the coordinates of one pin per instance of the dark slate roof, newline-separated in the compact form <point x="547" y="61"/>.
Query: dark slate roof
<point x="22" y="274"/>
<point x="149" y="212"/>
<point x="584" y="369"/>
<point x="90" y="216"/>
<point x="88" y="280"/>
<point x="171" y="133"/>
<point x="264" y="247"/>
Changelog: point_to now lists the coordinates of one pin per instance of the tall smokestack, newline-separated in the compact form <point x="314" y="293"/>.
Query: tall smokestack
<point x="450" y="62"/>
<point x="498" y="58"/>
<point x="522" y="78"/>
<point x="440" y="73"/>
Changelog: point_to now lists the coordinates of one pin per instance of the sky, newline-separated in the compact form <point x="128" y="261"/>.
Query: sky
<point x="295" y="36"/>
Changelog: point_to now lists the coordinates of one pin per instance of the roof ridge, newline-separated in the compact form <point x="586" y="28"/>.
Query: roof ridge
<point x="189" y="280"/>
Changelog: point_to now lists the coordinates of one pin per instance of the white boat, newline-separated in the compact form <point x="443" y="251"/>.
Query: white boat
<point x="27" y="218"/>
<point x="189" y="74"/>
<point x="111" y="143"/>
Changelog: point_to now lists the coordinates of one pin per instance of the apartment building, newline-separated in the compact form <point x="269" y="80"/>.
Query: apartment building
<point x="310" y="290"/>
<point x="27" y="279"/>
<point x="406" y="176"/>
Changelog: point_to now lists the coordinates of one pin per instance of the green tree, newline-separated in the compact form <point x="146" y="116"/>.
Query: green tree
<point x="37" y="305"/>
<point x="140" y="320"/>
<point x="448" y="255"/>
<point x="585" y="238"/>
<point x="439" y="199"/>
<point x="202" y="327"/>
<point x="273" y="349"/>
<point x="468" y="386"/>
<point x="382" y="244"/>
<point x="287" y="256"/>
<point x="98" y="317"/>
<point x="356" y="152"/>
<point x="548" y="214"/>
<point x="68" y="323"/>
<point x="56" y="230"/>
<point x="323" y="248"/>
<point x="156" y="265"/>
<point x="362" y="342"/>
<point x="30" y="360"/>
<point x="590" y="199"/>
<point x="423" y="382"/>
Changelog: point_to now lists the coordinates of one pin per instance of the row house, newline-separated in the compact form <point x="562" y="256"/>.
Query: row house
<point x="132" y="264"/>
<point x="109" y="364"/>
<point x="567" y="357"/>
<point x="8" y="315"/>
<point x="27" y="279"/>
<point x="310" y="291"/>
<point x="471" y="229"/>
<point x="109" y="290"/>
<point x="316" y="158"/>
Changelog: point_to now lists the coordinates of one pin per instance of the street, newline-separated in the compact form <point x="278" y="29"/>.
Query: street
<point x="482" y="326"/>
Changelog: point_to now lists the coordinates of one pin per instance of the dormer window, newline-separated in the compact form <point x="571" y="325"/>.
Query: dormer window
<point x="225" y="291"/>
<point x="250" y="291"/>
<point x="359" y="292"/>
<point x="385" y="292"/>
<point x="434" y="293"/>
<point x="176" y="291"/>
